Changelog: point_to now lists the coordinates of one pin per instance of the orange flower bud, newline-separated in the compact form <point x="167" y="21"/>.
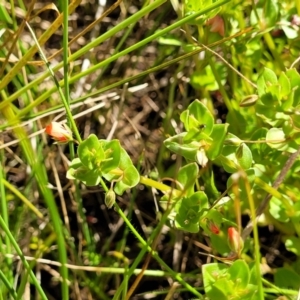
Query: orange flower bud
<point x="212" y="227"/>
<point x="217" y="25"/>
<point x="60" y="133"/>
<point x="235" y="241"/>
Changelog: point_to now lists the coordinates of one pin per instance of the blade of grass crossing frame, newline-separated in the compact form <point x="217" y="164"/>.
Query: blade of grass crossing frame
<point x="46" y="194"/>
<point x="4" y="213"/>
<point x="28" y="55"/>
<point x="24" y="261"/>
<point x="74" y="56"/>
<point x="108" y="60"/>
<point x="63" y="98"/>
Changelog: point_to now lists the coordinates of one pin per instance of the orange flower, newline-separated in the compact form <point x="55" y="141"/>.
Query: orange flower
<point x="217" y="25"/>
<point x="59" y="132"/>
<point x="235" y="241"/>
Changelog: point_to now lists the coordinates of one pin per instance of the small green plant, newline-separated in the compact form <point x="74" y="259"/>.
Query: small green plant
<point x="204" y="142"/>
<point x="229" y="157"/>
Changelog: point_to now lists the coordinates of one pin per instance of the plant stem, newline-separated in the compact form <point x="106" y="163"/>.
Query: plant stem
<point x="24" y="261"/>
<point x="146" y="247"/>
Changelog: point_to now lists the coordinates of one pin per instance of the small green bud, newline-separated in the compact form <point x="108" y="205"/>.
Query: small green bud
<point x="249" y="101"/>
<point x="239" y="152"/>
<point x="110" y="198"/>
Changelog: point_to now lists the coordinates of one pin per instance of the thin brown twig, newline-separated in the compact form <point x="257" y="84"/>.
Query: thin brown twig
<point x="223" y="59"/>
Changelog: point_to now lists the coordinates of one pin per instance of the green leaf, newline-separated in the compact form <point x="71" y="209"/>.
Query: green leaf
<point x="244" y="156"/>
<point x="239" y="274"/>
<point x="278" y="210"/>
<point x="193" y="6"/>
<point x="294" y="78"/>
<point x="211" y="274"/>
<point x="196" y="5"/>
<point x="208" y="178"/>
<point x="293" y="244"/>
<point x="218" y="136"/>
<point x="128" y="177"/>
<point x="194" y="134"/>
<point x="90" y="152"/>
<point x="131" y="178"/>
<point x="260" y="151"/>
<point x="219" y="243"/>
<point x="267" y="114"/>
<point x="187" y="176"/>
<point x="80" y="172"/>
<point x="112" y="150"/>
<point x="228" y="159"/>
<point x="268" y="88"/>
<point x="198" y="116"/>
<point x="226" y="287"/>
<point x="296" y="116"/>
<point x="206" y="79"/>
<point x="266" y="13"/>
<point x="286" y="104"/>
<point x="285" y="85"/>
<point x="276" y="139"/>
<point x="242" y="122"/>
<point x="286" y="278"/>
<point x="271" y="12"/>
<point x="234" y="157"/>
<point x="189" y="211"/>
<point x="266" y="78"/>
<point x="187" y="150"/>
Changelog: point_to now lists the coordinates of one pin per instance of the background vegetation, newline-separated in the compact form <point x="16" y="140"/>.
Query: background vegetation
<point x="205" y="193"/>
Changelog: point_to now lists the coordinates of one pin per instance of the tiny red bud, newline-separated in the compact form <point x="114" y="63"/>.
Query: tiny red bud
<point x="217" y="25"/>
<point x="91" y="219"/>
<point x="235" y="241"/>
<point x="212" y="227"/>
<point x="60" y="133"/>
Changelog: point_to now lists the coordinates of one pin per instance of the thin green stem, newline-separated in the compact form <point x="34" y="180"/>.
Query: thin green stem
<point x="105" y="36"/>
<point x="155" y="184"/>
<point x="5" y="215"/>
<point x="63" y="98"/>
<point x="24" y="261"/>
<point x="145" y="41"/>
<point x="66" y="101"/>
<point x="65" y="49"/>
<point x="146" y="248"/>
<point x="223" y="91"/>
<point x="7" y="283"/>
<point x="256" y="238"/>
<point x="21" y="197"/>
<point x="41" y="178"/>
